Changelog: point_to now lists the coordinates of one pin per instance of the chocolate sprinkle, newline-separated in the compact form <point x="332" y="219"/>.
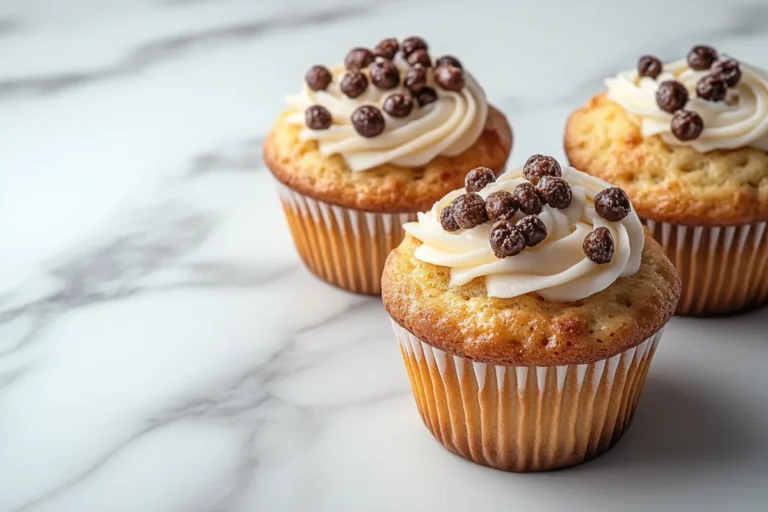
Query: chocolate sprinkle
<point x="368" y="121"/>
<point x="447" y="221"/>
<point x="415" y="79"/>
<point x="450" y="60"/>
<point x="599" y="246"/>
<point x="728" y="70"/>
<point x="317" y="118"/>
<point x="413" y="43"/>
<point x="358" y="58"/>
<point x="478" y="178"/>
<point x="318" y="78"/>
<point x="671" y="96"/>
<point x="538" y="166"/>
<point x="384" y="75"/>
<point x="649" y="66"/>
<point x="426" y="96"/>
<point x="612" y="204"/>
<point x="555" y="191"/>
<point x="449" y="77"/>
<point x="686" y="125"/>
<point x="387" y="48"/>
<point x="527" y="199"/>
<point x="701" y="57"/>
<point x="398" y="105"/>
<point x="533" y="229"/>
<point x="420" y="58"/>
<point x="469" y="210"/>
<point x="353" y="83"/>
<point x="506" y="240"/>
<point x="711" y="88"/>
<point x="500" y="205"/>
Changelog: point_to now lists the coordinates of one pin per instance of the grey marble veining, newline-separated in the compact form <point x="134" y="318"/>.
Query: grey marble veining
<point x="163" y="349"/>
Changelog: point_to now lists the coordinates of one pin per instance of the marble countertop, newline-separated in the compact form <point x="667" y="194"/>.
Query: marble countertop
<point x="162" y="348"/>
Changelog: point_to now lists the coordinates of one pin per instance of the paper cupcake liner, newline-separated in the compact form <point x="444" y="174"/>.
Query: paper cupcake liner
<point x="723" y="269"/>
<point x="342" y="246"/>
<point x="525" y="418"/>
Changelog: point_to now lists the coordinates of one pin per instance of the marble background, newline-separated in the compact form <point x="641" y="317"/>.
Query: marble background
<point x="161" y="347"/>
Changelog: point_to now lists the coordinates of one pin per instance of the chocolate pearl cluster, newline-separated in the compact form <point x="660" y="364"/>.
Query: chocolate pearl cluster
<point x="672" y="96"/>
<point x="368" y="120"/>
<point x="544" y="185"/>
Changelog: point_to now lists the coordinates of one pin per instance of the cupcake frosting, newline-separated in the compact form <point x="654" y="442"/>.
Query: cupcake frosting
<point x="739" y="120"/>
<point x="447" y="126"/>
<point x="557" y="268"/>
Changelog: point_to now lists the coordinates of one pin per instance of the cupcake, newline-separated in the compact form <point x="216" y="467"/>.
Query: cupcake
<point x="687" y="140"/>
<point x="528" y="310"/>
<point x="369" y="143"/>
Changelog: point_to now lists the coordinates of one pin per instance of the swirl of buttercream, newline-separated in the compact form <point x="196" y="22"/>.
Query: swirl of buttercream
<point x="447" y="127"/>
<point x="741" y="120"/>
<point x="557" y="268"/>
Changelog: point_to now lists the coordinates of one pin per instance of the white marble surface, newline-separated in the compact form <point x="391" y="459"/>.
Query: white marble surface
<point x="161" y="347"/>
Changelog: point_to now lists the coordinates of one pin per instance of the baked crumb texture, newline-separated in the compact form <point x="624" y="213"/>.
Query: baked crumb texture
<point x="386" y="188"/>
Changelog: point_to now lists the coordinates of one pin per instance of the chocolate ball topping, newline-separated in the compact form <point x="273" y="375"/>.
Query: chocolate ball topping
<point x="527" y="199"/>
<point x="415" y="79"/>
<point x="358" y="58"/>
<point x="469" y="210"/>
<point x="398" y="105"/>
<point x="728" y="70"/>
<point x="686" y="125"/>
<point x="599" y="246"/>
<point x="449" y="77"/>
<point x="384" y="75"/>
<point x="318" y="78"/>
<point x="649" y="66"/>
<point x="426" y="96"/>
<point x="533" y="229"/>
<point x="555" y="191"/>
<point x="671" y="96"/>
<point x="612" y="204"/>
<point x="500" y="205"/>
<point x="413" y="43"/>
<point x="368" y="121"/>
<point x="701" y="57"/>
<point x="317" y="118"/>
<point x="506" y="240"/>
<point x="477" y="179"/>
<point x="538" y="166"/>
<point x="711" y="88"/>
<point x="387" y="48"/>
<point x="447" y="221"/>
<point x="353" y="83"/>
<point x="450" y="60"/>
<point x="420" y="58"/>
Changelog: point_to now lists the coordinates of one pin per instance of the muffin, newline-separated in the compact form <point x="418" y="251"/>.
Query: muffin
<point x="528" y="311"/>
<point x="369" y="143"/>
<point x="687" y="140"/>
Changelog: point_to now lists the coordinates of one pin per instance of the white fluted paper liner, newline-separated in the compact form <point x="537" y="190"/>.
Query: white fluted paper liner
<point x="723" y="269"/>
<point x="525" y="418"/>
<point x="343" y="246"/>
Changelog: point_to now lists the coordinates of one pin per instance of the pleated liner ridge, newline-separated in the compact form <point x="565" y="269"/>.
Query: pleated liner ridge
<point x="518" y="418"/>
<point x="342" y="246"/>
<point x="723" y="269"/>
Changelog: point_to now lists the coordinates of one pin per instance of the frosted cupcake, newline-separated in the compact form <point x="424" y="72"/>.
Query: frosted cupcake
<point x="528" y="310"/>
<point x="687" y="140"/>
<point x="367" y="144"/>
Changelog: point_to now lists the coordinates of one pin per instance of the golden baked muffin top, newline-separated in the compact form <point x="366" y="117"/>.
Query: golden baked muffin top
<point x="385" y="188"/>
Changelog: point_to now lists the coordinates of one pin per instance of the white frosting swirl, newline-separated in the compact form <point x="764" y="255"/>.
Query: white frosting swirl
<point x="739" y="121"/>
<point x="446" y="127"/>
<point x="557" y="268"/>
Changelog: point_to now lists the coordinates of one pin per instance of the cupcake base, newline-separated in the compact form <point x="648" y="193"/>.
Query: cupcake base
<point x="517" y="418"/>
<point x="723" y="269"/>
<point x="342" y="246"/>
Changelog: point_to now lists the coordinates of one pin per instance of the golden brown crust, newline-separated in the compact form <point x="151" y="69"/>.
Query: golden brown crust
<point x="527" y="330"/>
<point x="668" y="184"/>
<point x="386" y="188"/>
